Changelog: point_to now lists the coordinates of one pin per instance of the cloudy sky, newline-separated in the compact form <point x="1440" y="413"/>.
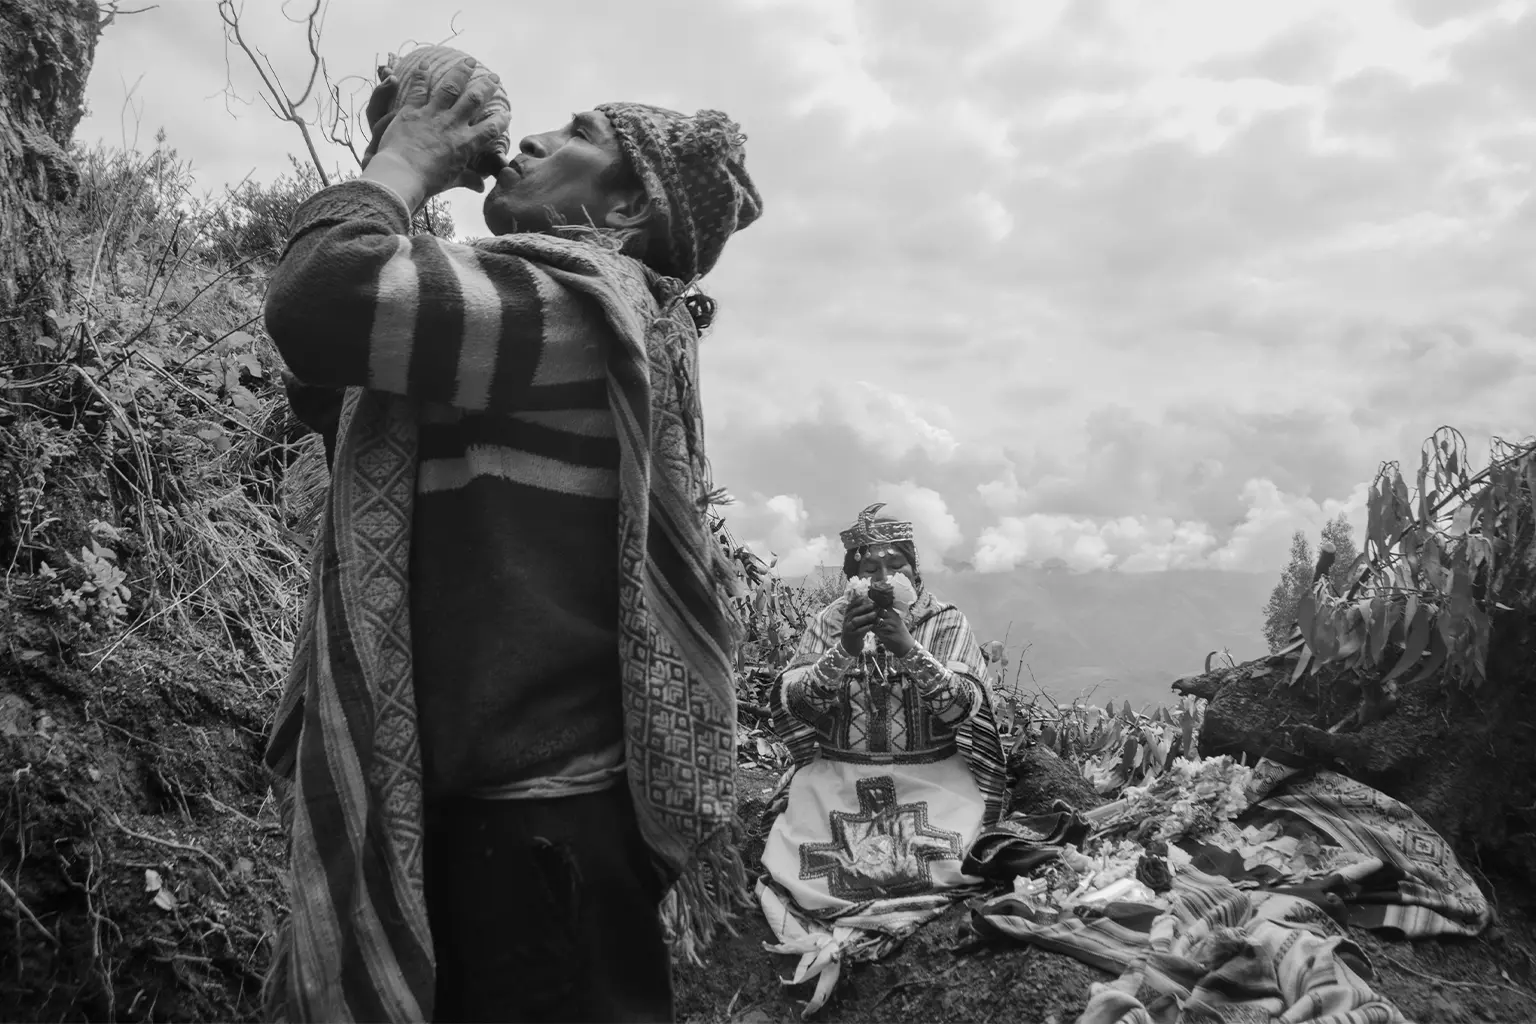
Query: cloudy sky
<point x="1142" y="284"/>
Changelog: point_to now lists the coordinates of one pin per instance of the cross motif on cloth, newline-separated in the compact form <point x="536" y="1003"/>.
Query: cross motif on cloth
<point x="883" y="849"/>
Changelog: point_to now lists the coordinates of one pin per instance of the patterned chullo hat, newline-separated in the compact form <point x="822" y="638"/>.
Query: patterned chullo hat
<point x="693" y="169"/>
<point x="870" y="529"/>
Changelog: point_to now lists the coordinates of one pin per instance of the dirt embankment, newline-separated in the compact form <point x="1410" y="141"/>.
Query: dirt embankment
<point x="142" y="862"/>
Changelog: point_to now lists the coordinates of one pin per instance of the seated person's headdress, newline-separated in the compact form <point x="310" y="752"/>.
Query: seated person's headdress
<point x="870" y="530"/>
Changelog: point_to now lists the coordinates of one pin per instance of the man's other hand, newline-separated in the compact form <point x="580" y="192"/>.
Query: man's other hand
<point x="424" y="145"/>
<point x="858" y="618"/>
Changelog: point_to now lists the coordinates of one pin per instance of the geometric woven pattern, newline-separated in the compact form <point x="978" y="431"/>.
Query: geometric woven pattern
<point x="1435" y="895"/>
<point x="943" y="631"/>
<point x="881" y="850"/>
<point x="358" y="942"/>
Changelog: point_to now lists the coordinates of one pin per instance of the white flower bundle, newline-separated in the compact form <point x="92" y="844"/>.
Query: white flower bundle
<point x="905" y="592"/>
<point x="1193" y="798"/>
<point x="904" y="596"/>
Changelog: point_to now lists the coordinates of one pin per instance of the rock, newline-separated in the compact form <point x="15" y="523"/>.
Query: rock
<point x="1038" y="778"/>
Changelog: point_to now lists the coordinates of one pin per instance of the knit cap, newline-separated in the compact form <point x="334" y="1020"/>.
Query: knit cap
<point x="694" y="172"/>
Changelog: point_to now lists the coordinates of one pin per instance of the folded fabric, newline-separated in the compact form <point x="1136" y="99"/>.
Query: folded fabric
<point x="1404" y="876"/>
<point x="1264" y="972"/>
<point x="1019" y="844"/>
<point x="1217" y="953"/>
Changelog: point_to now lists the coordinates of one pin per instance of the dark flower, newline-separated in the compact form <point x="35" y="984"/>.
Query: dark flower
<point x="1157" y="848"/>
<point x="1153" y="873"/>
<point x="882" y="594"/>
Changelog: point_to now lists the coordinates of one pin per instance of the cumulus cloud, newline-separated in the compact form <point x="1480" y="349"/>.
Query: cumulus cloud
<point x="936" y="531"/>
<point x="1263" y="539"/>
<point x="1003" y="494"/>
<point x="894" y="423"/>
<point x="776" y="529"/>
<point x="1129" y="543"/>
<point x="1260" y="542"/>
<point x="1116" y="283"/>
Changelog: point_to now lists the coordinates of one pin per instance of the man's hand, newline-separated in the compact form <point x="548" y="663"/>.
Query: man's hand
<point x="426" y="145"/>
<point x="892" y="632"/>
<point x="858" y="619"/>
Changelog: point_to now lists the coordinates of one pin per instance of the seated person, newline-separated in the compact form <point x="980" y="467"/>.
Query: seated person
<point x="891" y="727"/>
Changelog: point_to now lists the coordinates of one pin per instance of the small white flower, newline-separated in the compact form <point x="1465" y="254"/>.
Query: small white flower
<point x="905" y="593"/>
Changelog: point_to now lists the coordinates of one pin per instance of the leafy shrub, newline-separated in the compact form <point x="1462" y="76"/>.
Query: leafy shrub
<point x="1441" y="561"/>
<point x="1116" y="749"/>
<point x="251" y="222"/>
<point x="94" y="590"/>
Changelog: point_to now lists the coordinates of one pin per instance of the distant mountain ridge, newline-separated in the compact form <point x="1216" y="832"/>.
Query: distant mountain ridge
<point x="1118" y="635"/>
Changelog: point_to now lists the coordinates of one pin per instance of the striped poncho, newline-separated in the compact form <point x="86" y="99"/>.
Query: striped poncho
<point x="942" y="632"/>
<point x="357" y="944"/>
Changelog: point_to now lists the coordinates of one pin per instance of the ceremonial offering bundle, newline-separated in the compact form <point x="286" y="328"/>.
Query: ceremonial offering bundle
<point x="893" y="592"/>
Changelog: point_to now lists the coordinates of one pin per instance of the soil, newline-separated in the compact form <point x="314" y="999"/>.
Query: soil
<point x="142" y="776"/>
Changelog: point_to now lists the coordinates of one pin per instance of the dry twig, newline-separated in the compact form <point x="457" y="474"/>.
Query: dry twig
<point x="1434" y="979"/>
<point x="283" y="106"/>
<point x="170" y="844"/>
<point x="26" y="912"/>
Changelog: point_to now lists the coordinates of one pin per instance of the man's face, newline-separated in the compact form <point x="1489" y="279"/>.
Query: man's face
<point x="562" y="176"/>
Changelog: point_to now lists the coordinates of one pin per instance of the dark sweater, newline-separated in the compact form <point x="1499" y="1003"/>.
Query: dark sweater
<point x="514" y="574"/>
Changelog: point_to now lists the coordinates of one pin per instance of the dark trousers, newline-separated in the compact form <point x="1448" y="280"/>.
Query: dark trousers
<point x="545" y="910"/>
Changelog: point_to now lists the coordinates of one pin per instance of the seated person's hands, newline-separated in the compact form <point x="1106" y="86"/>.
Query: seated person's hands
<point x="892" y="632"/>
<point x="858" y="618"/>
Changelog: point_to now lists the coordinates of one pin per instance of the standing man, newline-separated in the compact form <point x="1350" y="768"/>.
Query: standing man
<point x="510" y="724"/>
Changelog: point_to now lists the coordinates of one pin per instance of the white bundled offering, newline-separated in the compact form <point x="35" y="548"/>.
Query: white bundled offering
<point x="1193" y="798"/>
<point x="902" y="596"/>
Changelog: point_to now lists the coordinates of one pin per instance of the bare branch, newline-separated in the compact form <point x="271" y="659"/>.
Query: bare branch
<point x="110" y="10"/>
<point x="333" y="118"/>
<point x="282" y="106"/>
<point x="342" y="123"/>
<point x="312" y="36"/>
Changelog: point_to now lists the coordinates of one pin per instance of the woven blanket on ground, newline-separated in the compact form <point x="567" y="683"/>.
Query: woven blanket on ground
<point x="1217" y="953"/>
<point x="1020" y="843"/>
<point x="1420" y="890"/>
<point x="357" y="944"/>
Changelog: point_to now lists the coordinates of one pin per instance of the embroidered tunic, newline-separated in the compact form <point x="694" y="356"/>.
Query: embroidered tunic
<point x="899" y="763"/>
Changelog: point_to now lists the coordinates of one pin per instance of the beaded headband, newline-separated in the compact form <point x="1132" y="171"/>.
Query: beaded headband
<point x="868" y="530"/>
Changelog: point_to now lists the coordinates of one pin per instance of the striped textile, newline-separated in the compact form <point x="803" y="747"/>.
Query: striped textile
<point x="940" y="629"/>
<point x="1216" y="953"/>
<point x="869" y="929"/>
<point x="356" y="945"/>
<point x="1428" y="892"/>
